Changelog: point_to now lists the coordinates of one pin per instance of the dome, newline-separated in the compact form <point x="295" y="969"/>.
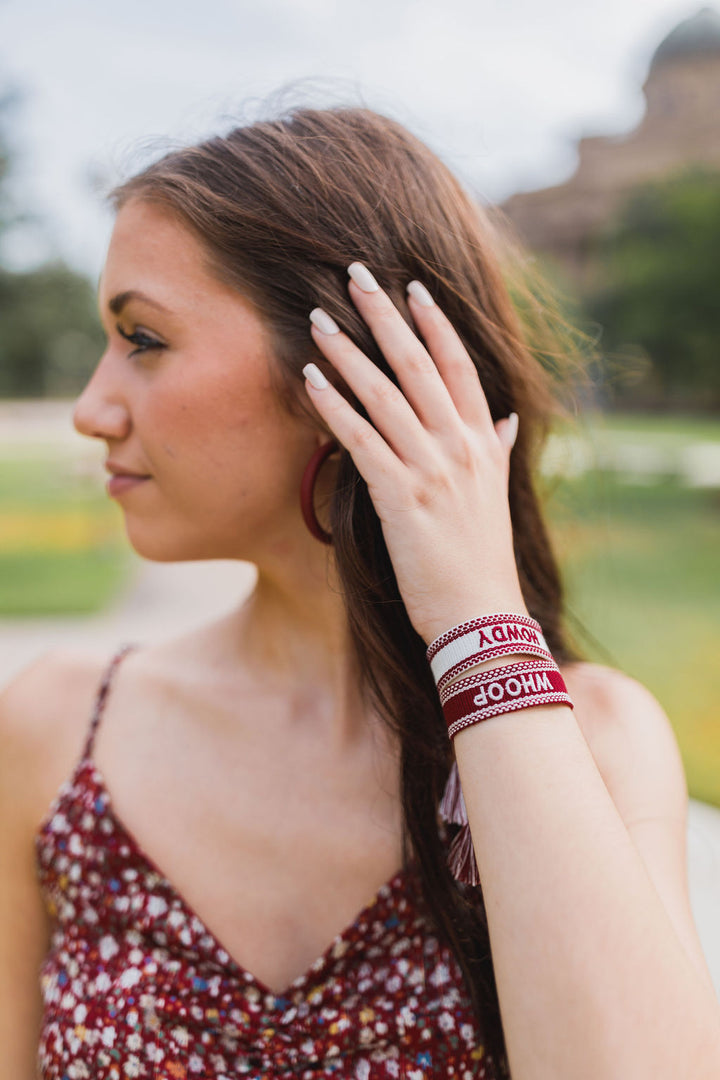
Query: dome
<point x="700" y="34"/>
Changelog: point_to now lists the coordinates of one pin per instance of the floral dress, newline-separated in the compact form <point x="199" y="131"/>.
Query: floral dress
<point x="135" y="985"/>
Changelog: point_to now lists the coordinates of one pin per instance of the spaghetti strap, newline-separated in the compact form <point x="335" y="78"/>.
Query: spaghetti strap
<point x="101" y="696"/>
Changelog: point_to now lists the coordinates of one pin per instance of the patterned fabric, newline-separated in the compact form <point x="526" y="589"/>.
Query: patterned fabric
<point x="135" y="985"/>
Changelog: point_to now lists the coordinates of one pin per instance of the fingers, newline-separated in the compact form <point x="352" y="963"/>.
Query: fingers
<point x="439" y="384"/>
<point x="373" y="457"/>
<point x="386" y="405"/>
<point x="417" y="374"/>
<point x="507" y="430"/>
<point x="452" y="361"/>
<point x="438" y="378"/>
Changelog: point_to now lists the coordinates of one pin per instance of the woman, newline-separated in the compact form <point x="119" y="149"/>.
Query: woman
<point x="286" y="771"/>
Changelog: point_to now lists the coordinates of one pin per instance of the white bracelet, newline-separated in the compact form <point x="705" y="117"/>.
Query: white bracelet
<point x="490" y="636"/>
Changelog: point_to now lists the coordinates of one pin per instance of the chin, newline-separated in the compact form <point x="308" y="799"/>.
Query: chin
<point x="171" y="547"/>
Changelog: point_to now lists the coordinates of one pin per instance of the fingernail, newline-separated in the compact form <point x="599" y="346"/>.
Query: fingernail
<point x="362" y="277"/>
<point x="418" y="291"/>
<point x="315" y="377"/>
<point x="323" y="321"/>
<point x="512" y="428"/>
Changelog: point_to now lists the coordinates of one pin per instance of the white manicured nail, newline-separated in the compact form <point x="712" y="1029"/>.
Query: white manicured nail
<point x="512" y="428"/>
<point x="323" y="321"/>
<point x="362" y="277"/>
<point x="418" y="291"/>
<point x="315" y="377"/>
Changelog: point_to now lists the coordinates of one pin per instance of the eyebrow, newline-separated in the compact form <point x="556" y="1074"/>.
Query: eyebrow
<point x="118" y="302"/>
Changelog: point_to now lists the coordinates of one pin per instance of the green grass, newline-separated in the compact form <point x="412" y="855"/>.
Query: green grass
<point x="642" y="573"/>
<point x="64" y="583"/>
<point x="62" y="549"/>
<point x="47" y="481"/>
<point x="687" y="428"/>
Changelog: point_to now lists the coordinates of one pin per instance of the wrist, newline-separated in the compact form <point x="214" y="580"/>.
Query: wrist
<point x="511" y="602"/>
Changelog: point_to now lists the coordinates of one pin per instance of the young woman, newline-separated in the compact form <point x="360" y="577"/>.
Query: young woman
<point x="244" y="851"/>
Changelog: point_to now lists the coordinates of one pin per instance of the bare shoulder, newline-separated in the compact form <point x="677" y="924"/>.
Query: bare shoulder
<point x="606" y="698"/>
<point x="631" y="738"/>
<point x="606" y="689"/>
<point x="44" y="689"/>
<point x="44" y="713"/>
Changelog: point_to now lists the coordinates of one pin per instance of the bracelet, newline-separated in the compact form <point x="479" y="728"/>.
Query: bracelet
<point x="501" y="690"/>
<point x="485" y="638"/>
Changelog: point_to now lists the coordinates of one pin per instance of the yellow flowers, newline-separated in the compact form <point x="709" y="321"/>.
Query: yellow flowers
<point x="71" y="529"/>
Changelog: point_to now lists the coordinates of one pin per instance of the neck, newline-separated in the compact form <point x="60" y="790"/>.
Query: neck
<point x="294" y="634"/>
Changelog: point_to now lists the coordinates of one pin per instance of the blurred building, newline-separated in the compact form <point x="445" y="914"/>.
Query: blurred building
<point x="680" y="128"/>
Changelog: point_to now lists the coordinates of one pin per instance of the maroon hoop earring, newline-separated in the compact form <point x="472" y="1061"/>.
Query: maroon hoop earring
<point x="307" y="487"/>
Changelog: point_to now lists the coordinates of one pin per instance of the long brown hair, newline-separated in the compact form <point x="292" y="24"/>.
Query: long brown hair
<point x="282" y="206"/>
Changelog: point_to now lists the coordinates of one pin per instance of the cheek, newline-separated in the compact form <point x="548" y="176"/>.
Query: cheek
<point x="191" y="413"/>
<point x="219" y="437"/>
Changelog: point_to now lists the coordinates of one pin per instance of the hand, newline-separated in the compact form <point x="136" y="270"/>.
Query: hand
<point x="435" y="464"/>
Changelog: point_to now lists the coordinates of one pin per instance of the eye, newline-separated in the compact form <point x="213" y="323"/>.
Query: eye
<point x="143" y="341"/>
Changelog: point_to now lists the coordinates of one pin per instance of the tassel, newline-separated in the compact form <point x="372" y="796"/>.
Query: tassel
<point x="452" y="805"/>
<point x="461" y="857"/>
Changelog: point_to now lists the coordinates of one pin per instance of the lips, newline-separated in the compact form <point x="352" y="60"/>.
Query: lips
<point x="120" y="482"/>
<point x="122" y="470"/>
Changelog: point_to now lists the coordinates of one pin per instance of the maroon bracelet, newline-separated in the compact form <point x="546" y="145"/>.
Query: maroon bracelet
<point x="502" y="690"/>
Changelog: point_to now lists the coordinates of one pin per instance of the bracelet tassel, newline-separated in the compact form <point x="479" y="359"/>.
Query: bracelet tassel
<point x="461" y="856"/>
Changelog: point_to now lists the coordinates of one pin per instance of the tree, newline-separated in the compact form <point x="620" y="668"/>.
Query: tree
<point x="656" y="292"/>
<point x="8" y="101"/>
<point x="50" y="336"/>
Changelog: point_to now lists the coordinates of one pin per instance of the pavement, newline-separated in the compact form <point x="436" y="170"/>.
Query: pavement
<point x="167" y="598"/>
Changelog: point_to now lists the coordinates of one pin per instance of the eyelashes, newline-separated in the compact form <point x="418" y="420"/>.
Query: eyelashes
<point x="143" y="342"/>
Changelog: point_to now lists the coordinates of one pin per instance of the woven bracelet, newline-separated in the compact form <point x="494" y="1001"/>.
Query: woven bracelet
<point x="485" y="638"/>
<point x="502" y="690"/>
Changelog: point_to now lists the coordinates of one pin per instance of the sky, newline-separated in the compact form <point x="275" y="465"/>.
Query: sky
<point x="501" y="89"/>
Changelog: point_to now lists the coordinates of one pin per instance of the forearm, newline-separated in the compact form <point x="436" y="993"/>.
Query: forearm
<point x="592" y="979"/>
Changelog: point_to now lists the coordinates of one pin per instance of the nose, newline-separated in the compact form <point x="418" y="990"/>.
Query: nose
<point x="101" y="410"/>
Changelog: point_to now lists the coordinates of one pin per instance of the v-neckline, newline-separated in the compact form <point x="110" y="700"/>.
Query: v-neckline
<point x="396" y="883"/>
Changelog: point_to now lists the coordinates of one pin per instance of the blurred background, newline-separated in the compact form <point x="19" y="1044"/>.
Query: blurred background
<point x="595" y="132"/>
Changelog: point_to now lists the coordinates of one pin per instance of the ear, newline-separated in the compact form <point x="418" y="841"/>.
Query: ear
<point x="322" y="438"/>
